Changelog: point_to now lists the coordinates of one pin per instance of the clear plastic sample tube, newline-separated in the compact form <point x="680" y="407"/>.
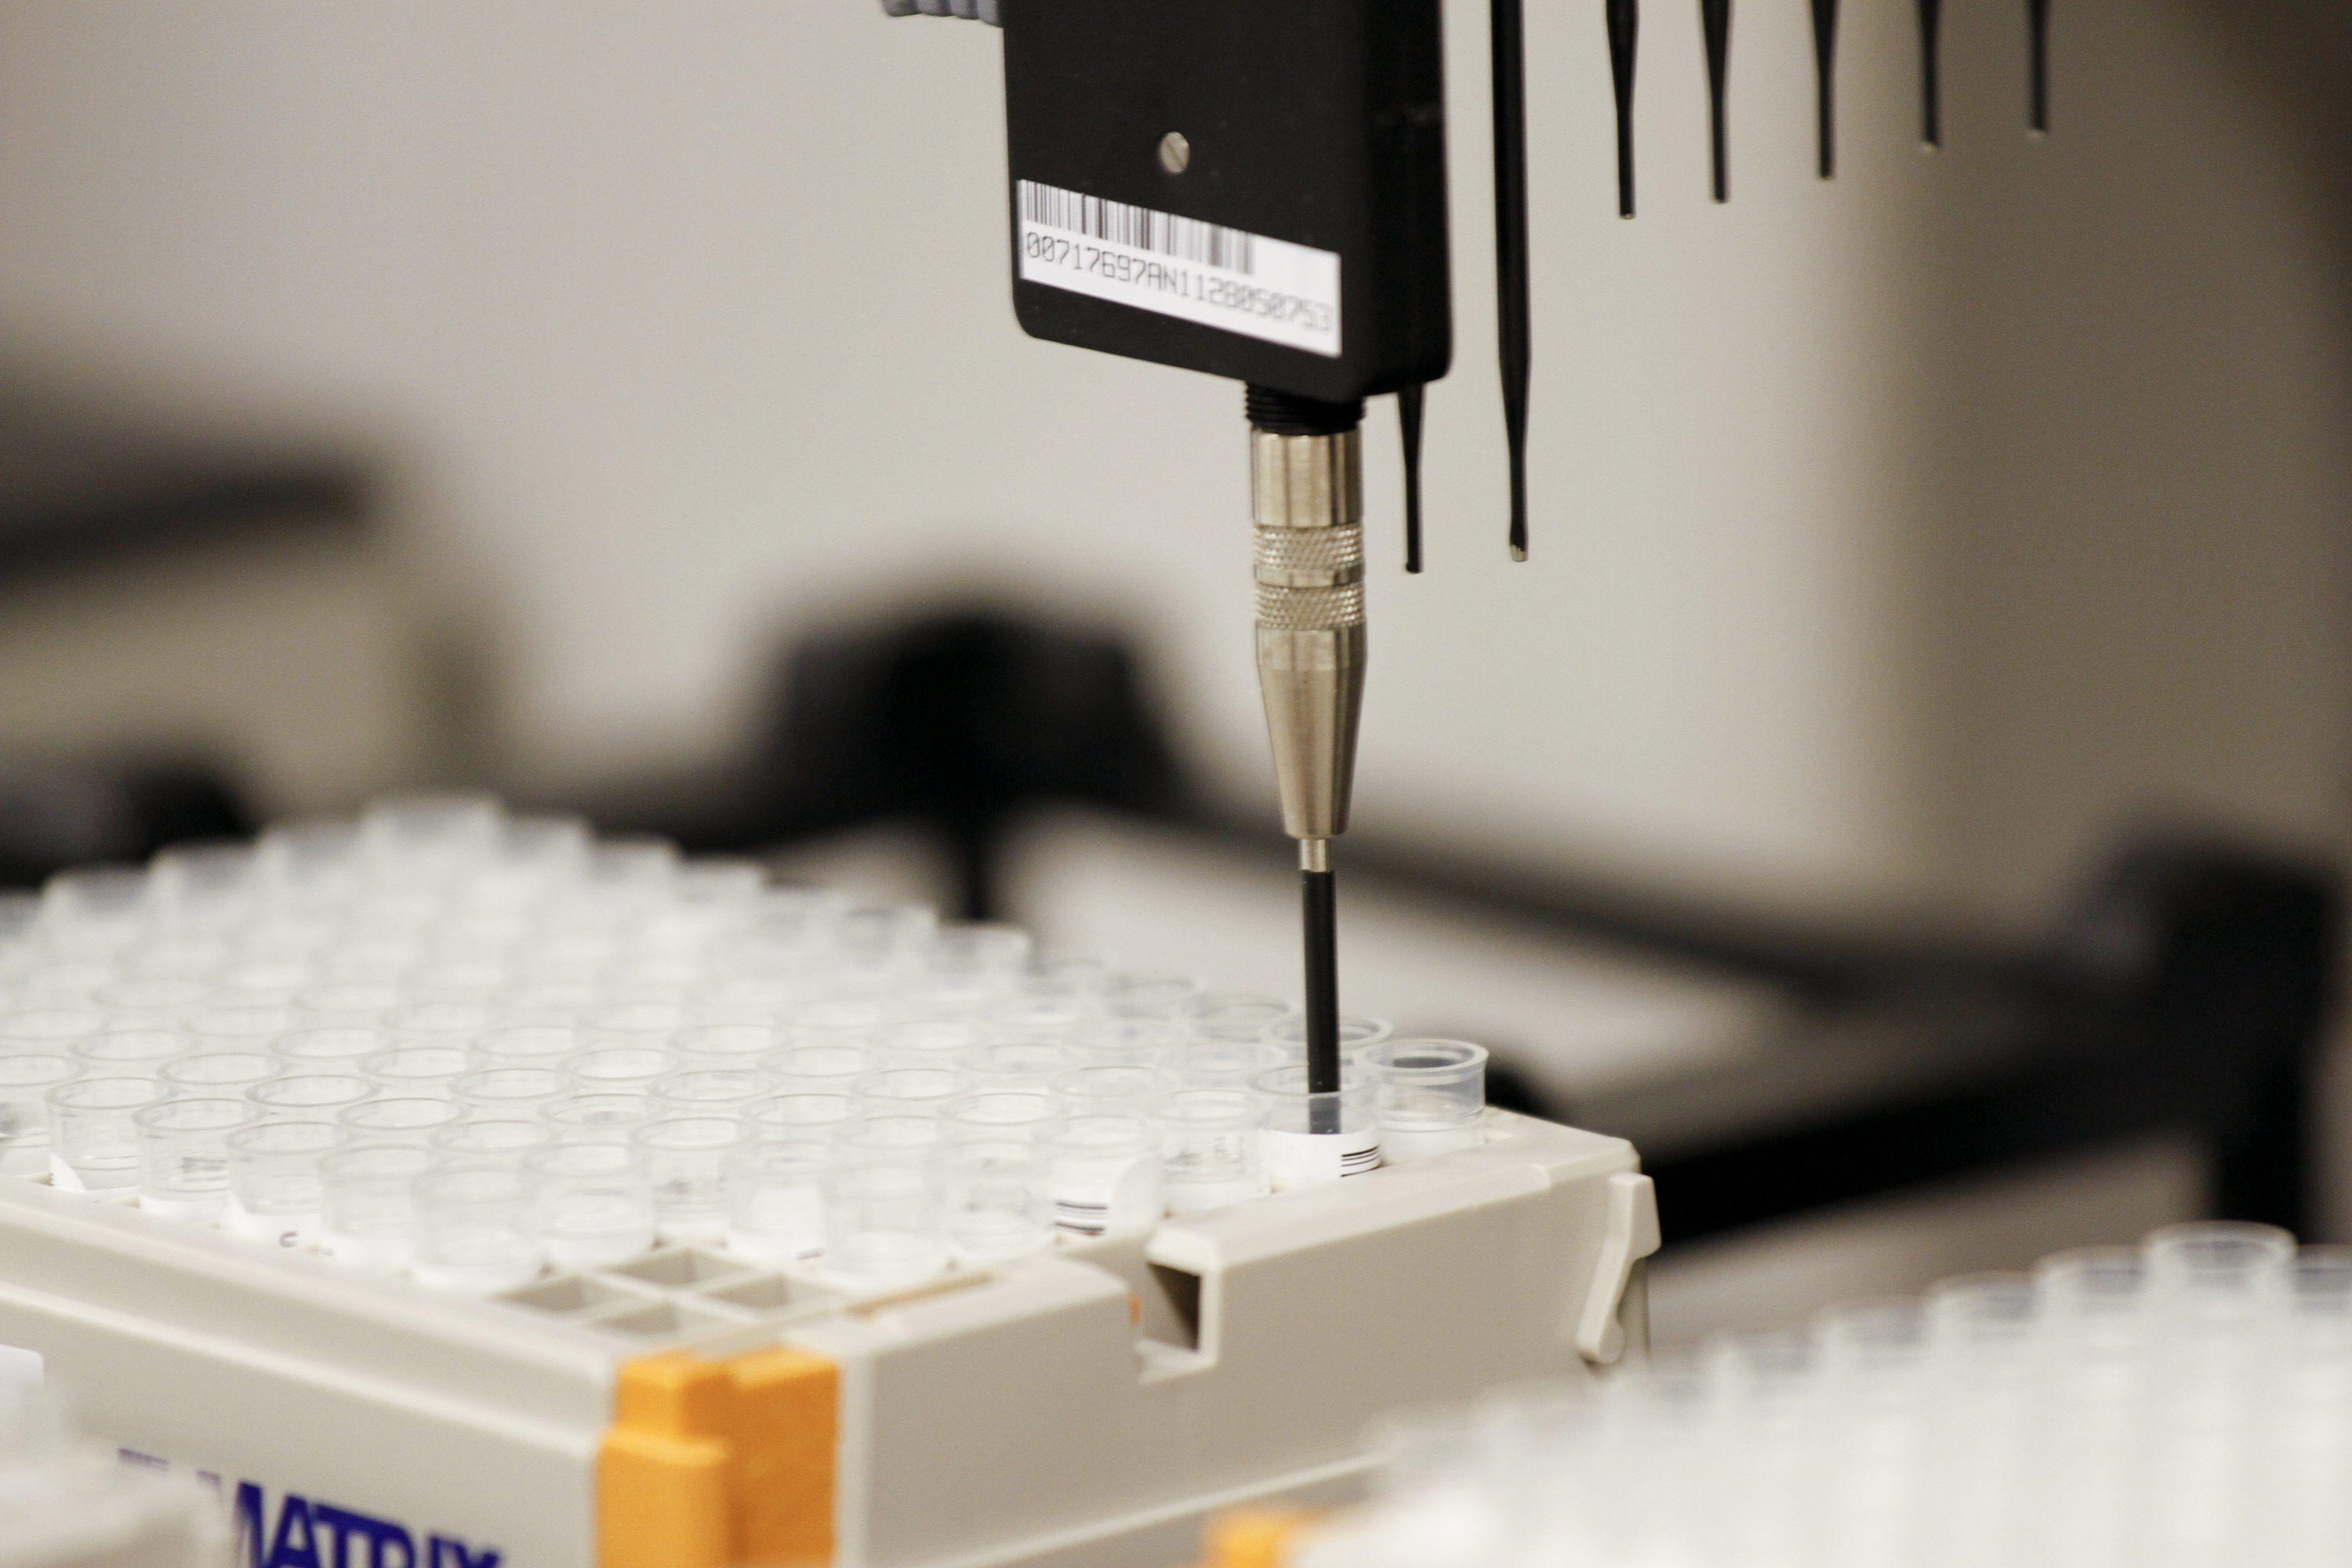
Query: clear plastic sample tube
<point x="1021" y="1064"/>
<point x="1429" y="1095"/>
<point x="926" y="1090"/>
<point x="93" y="1143"/>
<point x="1149" y="996"/>
<point x="882" y="1219"/>
<point x="411" y="1119"/>
<point x="1002" y="1115"/>
<point x="67" y="984"/>
<point x="2216" y="1272"/>
<point x="98" y="903"/>
<point x="1105" y="1176"/>
<point x="242" y="1028"/>
<point x="2094" y="1299"/>
<point x="1213" y="1158"/>
<point x="347" y="1004"/>
<point x="1220" y="1064"/>
<point x="367" y="1205"/>
<point x="930" y="1043"/>
<point x="712" y="1090"/>
<point x="427" y="1025"/>
<point x="775" y="1198"/>
<point x="598" y="1117"/>
<point x="130" y="1053"/>
<point x="799" y="1115"/>
<point x="725" y="1045"/>
<point x="54" y="1029"/>
<point x="183" y="1154"/>
<point x="508" y="1090"/>
<point x="418" y="1071"/>
<point x="308" y="1096"/>
<point x="1308" y="1139"/>
<point x="1035" y="1017"/>
<point x="493" y="1141"/>
<point x="1116" y="1091"/>
<point x="428" y="835"/>
<point x="821" y="1068"/>
<point x="687" y="1156"/>
<point x="1229" y="1016"/>
<point x="641" y="1024"/>
<point x="273" y="1180"/>
<point x="621" y="1066"/>
<point x="595" y="1202"/>
<point x="1357" y="1035"/>
<point x="25" y="1083"/>
<point x="526" y="1044"/>
<point x="1130" y="1042"/>
<point x="160" y="1004"/>
<point x="976" y="947"/>
<point x="338" y="1045"/>
<point x="476" y="1230"/>
<point x="218" y="1072"/>
<point x="996" y="1199"/>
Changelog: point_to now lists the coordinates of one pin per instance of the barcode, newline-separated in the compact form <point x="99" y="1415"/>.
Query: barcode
<point x="1117" y="222"/>
<point x="1084" y="1219"/>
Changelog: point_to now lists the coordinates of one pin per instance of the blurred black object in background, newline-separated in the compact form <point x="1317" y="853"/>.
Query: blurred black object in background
<point x="58" y="814"/>
<point x="77" y="486"/>
<point x="962" y="721"/>
<point x="82" y="490"/>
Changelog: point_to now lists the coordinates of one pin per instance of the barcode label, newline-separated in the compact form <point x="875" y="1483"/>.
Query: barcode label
<point x="1309" y="1158"/>
<point x="1196" y="272"/>
<point x="1081" y="1219"/>
<point x="1138" y="228"/>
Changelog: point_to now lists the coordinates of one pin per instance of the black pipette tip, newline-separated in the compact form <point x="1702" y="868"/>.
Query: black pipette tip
<point x="1511" y="247"/>
<point x="2037" y="27"/>
<point x="1714" y="21"/>
<point x="1409" y="401"/>
<point x="1319" y="906"/>
<point x="1931" y="75"/>
<point x="1624" y="19"/>
<point x="1826" y="31"/>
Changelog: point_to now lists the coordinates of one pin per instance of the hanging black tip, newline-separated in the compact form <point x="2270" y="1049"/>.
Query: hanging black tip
<point x="1714" y="21"/>
<point x="1624" y="35"/>
<point x="2037" y="27"/>
<point x="1931" y="74"/>
<point x="1511" y="245"/>
<point x="1409" y="424"/>
<point x="1825" y="29"/>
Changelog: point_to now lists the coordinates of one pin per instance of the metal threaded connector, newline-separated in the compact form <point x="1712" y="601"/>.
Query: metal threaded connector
<point x="1308" y="495"/>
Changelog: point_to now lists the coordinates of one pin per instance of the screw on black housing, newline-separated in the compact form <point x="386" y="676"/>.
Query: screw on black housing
<point x="1624" y="19"/>
<point x="1509" y="48"/>
<point x="1826" y="32"/>
<point x="1715" y="23"/>
<point x="1931" y="75"/>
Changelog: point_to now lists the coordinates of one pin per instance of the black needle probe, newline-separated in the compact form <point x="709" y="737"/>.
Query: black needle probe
<point x="1509" y="48"/>
<point x="1931" y="84"/>
<point x="1714" y="22"/>
<point x="1624" y="19"/>
<point x="1825" y="30"/>
<point x="2037" y="27"/>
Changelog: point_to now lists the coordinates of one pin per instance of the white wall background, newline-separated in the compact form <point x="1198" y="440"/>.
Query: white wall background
<point x="1893" y="536"/>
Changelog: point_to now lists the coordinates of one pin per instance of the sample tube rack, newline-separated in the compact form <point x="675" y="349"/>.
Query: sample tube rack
<point x="1088" y="1404"/>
